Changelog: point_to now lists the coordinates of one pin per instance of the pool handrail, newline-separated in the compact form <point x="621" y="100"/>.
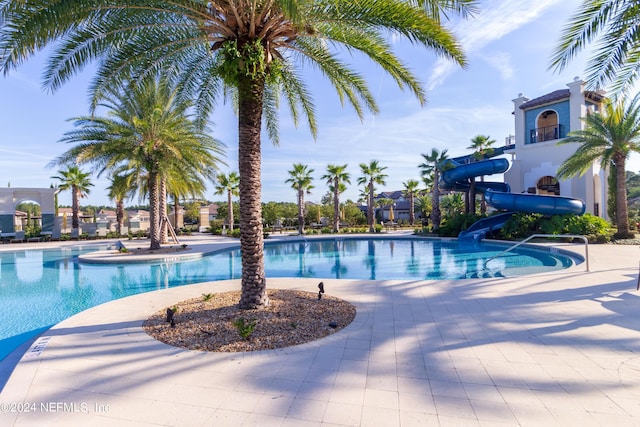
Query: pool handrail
<point x="573" y="236"/>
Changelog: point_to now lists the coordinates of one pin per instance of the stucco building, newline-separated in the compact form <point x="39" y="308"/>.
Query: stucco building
<point x="539" y="124"/>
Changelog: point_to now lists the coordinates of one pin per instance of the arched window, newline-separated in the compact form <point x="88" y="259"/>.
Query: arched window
<point x="548" y="185"/>
<point x="547" y="128"/>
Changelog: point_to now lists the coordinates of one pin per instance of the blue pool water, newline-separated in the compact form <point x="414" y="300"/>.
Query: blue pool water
<point x="41" y="287"/>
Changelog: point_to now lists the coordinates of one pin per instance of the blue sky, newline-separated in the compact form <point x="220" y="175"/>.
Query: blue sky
<point x="508" y="46"/>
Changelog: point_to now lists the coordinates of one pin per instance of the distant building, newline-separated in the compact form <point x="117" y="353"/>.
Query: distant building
<point x="138" y="219"/>
<point x="401" y="206"/>
<point x="213" y="211"/>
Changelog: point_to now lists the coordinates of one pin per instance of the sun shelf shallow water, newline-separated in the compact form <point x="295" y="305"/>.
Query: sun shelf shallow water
<point x="41" y="287"/>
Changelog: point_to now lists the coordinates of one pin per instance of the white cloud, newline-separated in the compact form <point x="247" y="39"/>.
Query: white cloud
<point x="497" y="19"/>
<point x="502" y="62"/>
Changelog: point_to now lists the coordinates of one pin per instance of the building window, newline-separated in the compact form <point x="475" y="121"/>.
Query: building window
<point x="547" y="128"/>
<point x="548" y="185"/>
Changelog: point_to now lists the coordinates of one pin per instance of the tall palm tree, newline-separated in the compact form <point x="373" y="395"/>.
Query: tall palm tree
<point x="79" y="183"/>
<point x="481" y="146"/>
<point x="230" y="185"/>
<point x="252" y="47"/>
<point x="372" y="173"/>
<point x="431" y="167"/>
<point x="148" y="132"/>
<point x="612" y="26"/>
<point x="411" y="190"/>
<point x="608" y="137"/>
<point x="336" y="177"/>
<point x="301" y="182"/>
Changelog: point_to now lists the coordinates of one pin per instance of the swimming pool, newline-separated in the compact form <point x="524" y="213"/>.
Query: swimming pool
<point x="41" y="287"/>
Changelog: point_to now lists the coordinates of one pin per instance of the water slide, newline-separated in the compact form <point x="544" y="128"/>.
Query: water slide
<point x="459" y="170"/>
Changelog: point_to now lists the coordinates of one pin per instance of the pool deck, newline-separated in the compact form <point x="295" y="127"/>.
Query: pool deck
<point x="553" y="349"/>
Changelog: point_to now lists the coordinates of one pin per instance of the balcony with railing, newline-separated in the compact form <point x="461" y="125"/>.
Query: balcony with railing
<point x="547" y="133"/>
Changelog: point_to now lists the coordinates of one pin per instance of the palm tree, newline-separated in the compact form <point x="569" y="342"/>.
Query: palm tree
<point x="336" y="177"/>
<point x="228" y="184"/>
<point x="149" y="134"/>
<point x="431" y="166"/>
<point x="79" y="183"/>
<point x="608" y="137"/>
<point x="424" y="203"/>
<point x="481" y="146"/>
<point x="612" y="25"/>
<point x="453" y="204"/>
<point x="411" y="190"/>
<point x="372" y="173"/>
<point x="118" y="191"/>
<point x="250" y="47"/>
<point x="301" y="182"/>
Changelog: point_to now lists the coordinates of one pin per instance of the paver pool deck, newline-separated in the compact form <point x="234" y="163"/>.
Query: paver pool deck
<point x="554" y="349"/>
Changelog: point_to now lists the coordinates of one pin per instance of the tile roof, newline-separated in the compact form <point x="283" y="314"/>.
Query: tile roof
<point x="556" y="95"/>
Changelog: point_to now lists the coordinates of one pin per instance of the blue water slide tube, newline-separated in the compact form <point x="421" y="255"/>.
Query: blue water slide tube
<point x="459" y="170"/>
<point x="481" y="186"/>
<point x="497" y="151"/>
<point x="459" y="173"/>
<point x="535" y="203"/>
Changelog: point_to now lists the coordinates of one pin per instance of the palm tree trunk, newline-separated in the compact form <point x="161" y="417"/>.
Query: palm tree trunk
<point x="164" y="226"/>
<point x="472" y="196"/>
<point x="435" y="203"/>
<point x="483" y="200"/>
<point x="254" y="284"/>
<point x="230" y="204"/>
<point x="622" y="215"/>
<point x="370" y="214"/>
<point x="412" y="215"/>
<point x="176" y="206"/>
<point x="75" y="208"/>
<point x="336" y="207"/>
<point x="120" y="215"/>
<point x="154" y="211"/>
<point x="301" y="210"/>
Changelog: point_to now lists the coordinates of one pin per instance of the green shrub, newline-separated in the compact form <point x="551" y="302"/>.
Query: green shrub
<point x="452" y="226"/>
<point x="215" y="226"/>
<point x="245" y="327"/>
<point x="522" y="225"/>
<point x="556" y="224"/>
<point x="378" y="228"/>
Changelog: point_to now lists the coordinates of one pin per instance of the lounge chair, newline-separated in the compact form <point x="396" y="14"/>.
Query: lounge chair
<point x="34" y="239"/>
<point x="55" y="234"/>
<point x="19" y="237"/>
<point x="76" y="233"/>
<point x="91" y="231"/>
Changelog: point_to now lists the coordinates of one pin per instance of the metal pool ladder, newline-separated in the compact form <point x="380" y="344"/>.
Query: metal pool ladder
<point x="573" y="236"/>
